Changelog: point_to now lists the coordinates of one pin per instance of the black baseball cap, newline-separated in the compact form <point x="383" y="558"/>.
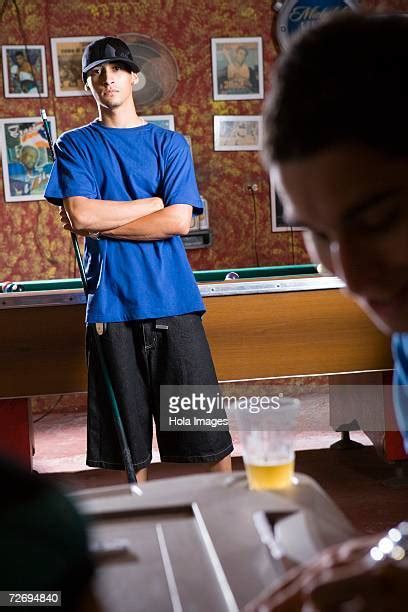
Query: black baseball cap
<point x="108" y="49"/>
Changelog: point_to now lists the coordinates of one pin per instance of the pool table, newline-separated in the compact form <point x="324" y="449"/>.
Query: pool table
<point x="268" y="322"/>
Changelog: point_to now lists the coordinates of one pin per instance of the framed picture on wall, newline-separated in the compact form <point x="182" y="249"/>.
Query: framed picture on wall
<point x="237" y="68"/>
<point x="237" y="132"/>
<point x="67" y="64"/>
<point x="278" y="220"/>
<point x="24" y="71"/>
<point x="164" y="121"/>
<point x="26" y="157"/>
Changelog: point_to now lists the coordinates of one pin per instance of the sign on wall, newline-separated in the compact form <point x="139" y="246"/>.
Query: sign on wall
<point x="295" y="15"/>
<point x="26" y="157"/>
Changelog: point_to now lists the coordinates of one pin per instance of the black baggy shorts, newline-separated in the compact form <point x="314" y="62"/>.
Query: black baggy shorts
<point x="140" y="358"/>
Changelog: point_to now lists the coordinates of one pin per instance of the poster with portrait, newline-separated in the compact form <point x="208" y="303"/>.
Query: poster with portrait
<point x="24" y="71"/>
<point x="26" y="157"/>
<point x="237" y="68"/>
<point x="237" y="132"/>
<point x="67" y="64"/>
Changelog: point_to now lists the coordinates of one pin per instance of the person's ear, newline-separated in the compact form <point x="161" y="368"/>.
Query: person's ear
<point x="135" y="78"/>
<point x="86" y="87"/>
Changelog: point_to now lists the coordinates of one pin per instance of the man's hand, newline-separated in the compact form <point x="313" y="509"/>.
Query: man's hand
<point x="339" y="580"/>
<point x="383" y="587"/>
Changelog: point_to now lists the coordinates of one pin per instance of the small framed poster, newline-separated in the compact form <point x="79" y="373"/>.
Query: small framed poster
<point x="24" y="71"/>
<point x="26" y="157"/>
<point x="237" y="132"/>
<point x="237" y="68"/>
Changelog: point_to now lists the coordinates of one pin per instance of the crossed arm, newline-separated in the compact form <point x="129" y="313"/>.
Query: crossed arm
<point x="141" y="220"/>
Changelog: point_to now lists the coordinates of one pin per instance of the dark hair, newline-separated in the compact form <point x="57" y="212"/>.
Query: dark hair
<point x="344" y="81"/>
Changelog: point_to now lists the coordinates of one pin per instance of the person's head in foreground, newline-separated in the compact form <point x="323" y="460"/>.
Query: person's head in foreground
<point x="337" y="144"/>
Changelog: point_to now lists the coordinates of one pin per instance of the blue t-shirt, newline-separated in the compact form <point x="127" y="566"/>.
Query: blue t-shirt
<point x="127" y="279"/>
<point x="400" y="387"/>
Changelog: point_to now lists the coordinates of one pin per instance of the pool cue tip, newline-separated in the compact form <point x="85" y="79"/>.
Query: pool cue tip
<point x="135" y="490"/>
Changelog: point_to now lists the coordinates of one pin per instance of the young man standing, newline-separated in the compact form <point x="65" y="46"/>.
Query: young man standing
<point x="337" y="144"/>
<point x="129" y="186"/>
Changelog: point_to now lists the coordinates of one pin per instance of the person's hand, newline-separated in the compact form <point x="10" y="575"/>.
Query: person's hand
<point x="339" y="580"/>
<point x="381" y="588"/>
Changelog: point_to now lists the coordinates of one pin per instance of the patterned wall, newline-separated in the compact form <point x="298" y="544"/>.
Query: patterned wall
<point x="32" y="245"/>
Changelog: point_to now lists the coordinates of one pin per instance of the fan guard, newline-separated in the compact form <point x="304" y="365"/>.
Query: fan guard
<point x="159" y="72"/>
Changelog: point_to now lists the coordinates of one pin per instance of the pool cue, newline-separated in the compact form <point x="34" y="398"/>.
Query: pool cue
<point x="124" y="447"/>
